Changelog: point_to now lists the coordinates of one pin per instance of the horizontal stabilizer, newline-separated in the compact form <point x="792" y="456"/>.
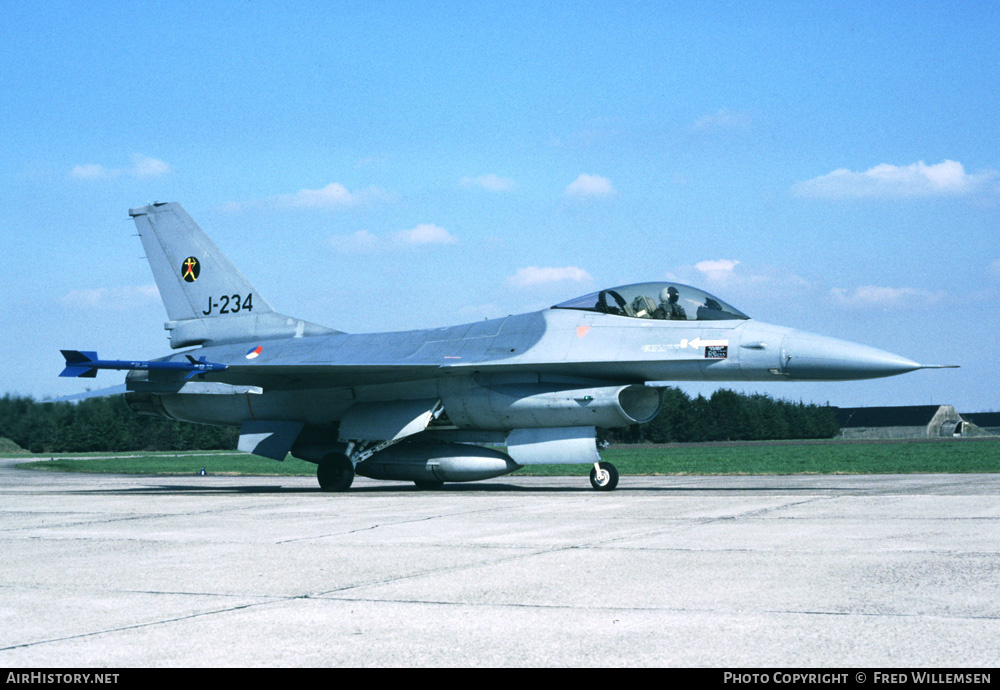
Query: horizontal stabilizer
<point x="87" y="395"/>
<point x="269" y="439"/>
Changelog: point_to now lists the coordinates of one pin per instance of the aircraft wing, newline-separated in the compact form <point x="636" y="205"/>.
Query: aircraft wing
<point x="305" y="376"/>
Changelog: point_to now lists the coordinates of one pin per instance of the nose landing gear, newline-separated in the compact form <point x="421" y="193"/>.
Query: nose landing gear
<point x="604" y="476"/>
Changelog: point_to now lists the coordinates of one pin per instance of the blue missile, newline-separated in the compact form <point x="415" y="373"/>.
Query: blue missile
<point x="86" y="364"/>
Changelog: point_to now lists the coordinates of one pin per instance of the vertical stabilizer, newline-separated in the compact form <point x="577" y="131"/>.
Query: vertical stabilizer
<point x="208" y="300"/>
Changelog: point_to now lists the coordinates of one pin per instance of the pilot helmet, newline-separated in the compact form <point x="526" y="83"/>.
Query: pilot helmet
<point x="669" y="294"/>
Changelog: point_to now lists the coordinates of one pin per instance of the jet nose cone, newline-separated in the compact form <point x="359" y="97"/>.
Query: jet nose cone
<point x="817" y="358"/>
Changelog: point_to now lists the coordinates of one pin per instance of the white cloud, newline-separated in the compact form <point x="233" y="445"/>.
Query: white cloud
<point x="491" y="182"/>
<point x="425" y="233"/>
<point x="717" y="270"/>
<point x="537" y="275"/>
<point x="91" y="171"/>
<point x="365" y="242"/>
<point x="947" y="178"/>
<point x="142" y="167"/>
<point x="736" y="281"/>
<point x="868" y="296"/>
<point x="590" y="185"/>
<point x="119" y="298"/>
<point x="723" y="119"/>
<point x="334" y="195"/>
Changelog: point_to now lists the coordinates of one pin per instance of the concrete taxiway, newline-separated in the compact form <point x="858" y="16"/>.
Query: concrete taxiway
<point x="115" y="571"/>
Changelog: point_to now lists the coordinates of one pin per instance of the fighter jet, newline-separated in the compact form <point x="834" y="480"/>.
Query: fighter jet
<point x="435" y="406"/>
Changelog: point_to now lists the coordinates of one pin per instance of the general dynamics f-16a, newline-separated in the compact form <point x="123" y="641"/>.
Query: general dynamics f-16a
<point x="432" y="406"/>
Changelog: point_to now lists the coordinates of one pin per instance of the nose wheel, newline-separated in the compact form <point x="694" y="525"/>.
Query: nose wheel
<point x="604" y="476"/>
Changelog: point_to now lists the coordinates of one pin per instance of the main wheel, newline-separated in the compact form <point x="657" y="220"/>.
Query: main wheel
<point x="335" y="472"/>
<point x="606" y="479"/>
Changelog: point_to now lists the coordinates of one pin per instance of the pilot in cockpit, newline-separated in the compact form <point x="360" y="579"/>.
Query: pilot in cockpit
<point x="669" y="309"/>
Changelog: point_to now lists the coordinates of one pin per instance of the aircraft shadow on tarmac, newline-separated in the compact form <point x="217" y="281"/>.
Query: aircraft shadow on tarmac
<point x="194" y="490"/>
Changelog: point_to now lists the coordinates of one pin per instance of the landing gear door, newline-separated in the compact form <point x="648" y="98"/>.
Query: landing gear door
<point x="386" y="421"/>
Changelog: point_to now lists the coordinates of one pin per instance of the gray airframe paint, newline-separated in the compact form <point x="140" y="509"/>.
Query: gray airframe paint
<point x="540" y="381"/>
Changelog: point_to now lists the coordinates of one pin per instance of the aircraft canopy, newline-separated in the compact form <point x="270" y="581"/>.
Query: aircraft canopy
<point x="668" y="301"/>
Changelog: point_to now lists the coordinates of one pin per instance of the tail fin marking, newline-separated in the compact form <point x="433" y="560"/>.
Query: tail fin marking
<point x="208" y="300"/>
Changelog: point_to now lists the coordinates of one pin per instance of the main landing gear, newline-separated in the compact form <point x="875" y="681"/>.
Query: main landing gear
<point x="604" y="476"/>
<point x="335" y="472"/>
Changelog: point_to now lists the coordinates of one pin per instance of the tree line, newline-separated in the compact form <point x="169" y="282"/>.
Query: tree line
<point x="108" y="425"/>
<point x="102" y="424"/>
<point x="729" y="416"/>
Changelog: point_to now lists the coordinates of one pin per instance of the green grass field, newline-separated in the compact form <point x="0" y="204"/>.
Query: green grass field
<point x="948" y="456"/>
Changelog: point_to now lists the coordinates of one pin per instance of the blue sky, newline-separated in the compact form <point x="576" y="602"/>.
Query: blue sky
<point x="397" y="165"/>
